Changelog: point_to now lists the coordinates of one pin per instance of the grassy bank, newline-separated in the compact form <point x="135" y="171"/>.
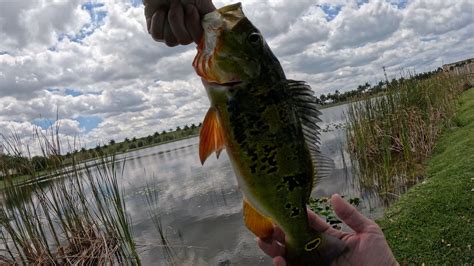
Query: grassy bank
<point x="433" y="223"/>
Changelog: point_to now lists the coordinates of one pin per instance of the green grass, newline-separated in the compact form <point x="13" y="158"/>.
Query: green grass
<point x="16" y="180"/>
<point x="433" y="223"/>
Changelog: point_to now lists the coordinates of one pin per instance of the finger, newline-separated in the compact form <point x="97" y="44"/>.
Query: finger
<point x="150" y="7"/>
<point x="349" y="215"/>
<point x="176" y="21"/>
<point x="278" y="234"/>
<point x="157" y="25"/>
<point x="205" y="6"/>
<point x="192" y="21"/>
<point x="279" y="261"/>
<point x="272" y="249"/>
<point x="169" y="37"/>
<point x="320" y="225"/>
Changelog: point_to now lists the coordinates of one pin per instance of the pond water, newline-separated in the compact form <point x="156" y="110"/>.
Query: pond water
<point x="200" y="207"/>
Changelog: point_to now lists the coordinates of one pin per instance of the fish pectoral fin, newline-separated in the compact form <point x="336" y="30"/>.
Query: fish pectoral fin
<point x="260" y="225"/>
<point x="211" y="137"/>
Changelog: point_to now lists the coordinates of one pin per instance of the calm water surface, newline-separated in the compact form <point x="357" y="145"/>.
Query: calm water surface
<point x="200" y="206"/>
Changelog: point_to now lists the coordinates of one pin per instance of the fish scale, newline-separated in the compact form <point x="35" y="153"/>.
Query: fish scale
<point x="267" y="124"/>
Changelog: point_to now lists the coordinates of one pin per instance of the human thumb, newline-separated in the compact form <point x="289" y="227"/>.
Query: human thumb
<point x="349" y="214"/>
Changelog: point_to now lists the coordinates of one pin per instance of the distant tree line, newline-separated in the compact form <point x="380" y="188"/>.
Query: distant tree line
<point x="17" y="165"/>
<point x="367" y="88"/>
<point x="132" y="143"/>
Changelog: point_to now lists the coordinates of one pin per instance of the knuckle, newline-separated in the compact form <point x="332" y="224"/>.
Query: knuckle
<point x="185" y="41"/>
<point x="170" y="43"/>
<point x="173" y="14"/>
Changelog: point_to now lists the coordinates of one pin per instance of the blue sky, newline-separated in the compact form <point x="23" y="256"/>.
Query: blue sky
<point x="94" y="64"/>
<point x="97" y="20"/>
<point x="331" y="11"/>
<point x="88" y="122"/>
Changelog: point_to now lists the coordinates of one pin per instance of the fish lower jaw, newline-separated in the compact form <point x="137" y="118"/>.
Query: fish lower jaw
<point x="225" y="84"/>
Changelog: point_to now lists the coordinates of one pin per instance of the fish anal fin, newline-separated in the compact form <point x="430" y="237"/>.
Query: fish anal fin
<point x="260" y="225"/>
<point x="211" y="137"/>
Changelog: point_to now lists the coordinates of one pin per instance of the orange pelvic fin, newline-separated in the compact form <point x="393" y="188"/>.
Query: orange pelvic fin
<point x="211" y="137"/>
<point x="260" y="225"/>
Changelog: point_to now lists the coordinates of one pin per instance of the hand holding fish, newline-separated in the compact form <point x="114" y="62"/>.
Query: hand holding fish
<point x="176" y="21"/>
<point x="366" y="245"/>
<point x="268" y="126"/>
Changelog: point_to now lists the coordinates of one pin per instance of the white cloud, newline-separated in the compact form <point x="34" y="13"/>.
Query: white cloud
<point x="136" y="86"/>
<point x="372" y="22"/>
<point x="438" y="17"/>
<point x="37" y="24"/>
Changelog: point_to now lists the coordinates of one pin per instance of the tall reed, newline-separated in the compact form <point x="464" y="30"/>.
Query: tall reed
<point x="79" y="218"/>
<point x="390" y="136"/>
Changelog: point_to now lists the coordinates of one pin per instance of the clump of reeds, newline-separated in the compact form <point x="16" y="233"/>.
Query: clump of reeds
<point x="78" y="218"/>
<point x="390" y="135"/>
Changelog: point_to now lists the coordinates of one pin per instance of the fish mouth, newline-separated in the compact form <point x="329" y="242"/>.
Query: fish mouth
<point x="223" y="84"/>
<point x="208" y="61"/>
<point x="230" y="83"/>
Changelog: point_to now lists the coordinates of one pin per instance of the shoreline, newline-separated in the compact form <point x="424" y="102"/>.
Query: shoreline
<point x="23" y="180"/>
<point x="433" y="222"/>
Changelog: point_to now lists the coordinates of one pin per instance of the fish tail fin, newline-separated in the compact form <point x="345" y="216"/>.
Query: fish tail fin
<point x="320" y="249"/>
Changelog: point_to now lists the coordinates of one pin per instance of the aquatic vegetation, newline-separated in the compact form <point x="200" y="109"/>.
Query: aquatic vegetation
<point x="151" y="198"/>
<point x="69" y="221"/>
<point x="78" y="218"/>
<point x="323" y="208"/>
<point x="390" y="136"/>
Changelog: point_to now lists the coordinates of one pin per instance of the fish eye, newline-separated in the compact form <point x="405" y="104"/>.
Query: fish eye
<point x="254" y="38"/>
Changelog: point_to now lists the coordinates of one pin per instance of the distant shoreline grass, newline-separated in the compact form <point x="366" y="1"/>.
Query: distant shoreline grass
<point x="23" y="179"/>
<point x="433" y="223"/>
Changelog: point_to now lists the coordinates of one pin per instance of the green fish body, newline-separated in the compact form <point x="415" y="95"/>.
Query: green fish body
<point x="267" y="125"/>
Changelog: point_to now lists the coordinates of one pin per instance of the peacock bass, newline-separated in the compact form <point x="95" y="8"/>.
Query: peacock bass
<point x="267" y="124"/>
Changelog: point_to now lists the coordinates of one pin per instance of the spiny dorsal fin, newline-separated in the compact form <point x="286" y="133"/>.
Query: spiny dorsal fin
<point x="260" y="225"/>
<point x="308" y="112"/>
<point x="211" y="137"/>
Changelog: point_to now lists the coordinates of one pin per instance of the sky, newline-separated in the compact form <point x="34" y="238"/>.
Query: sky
<point x="93" y="66"/>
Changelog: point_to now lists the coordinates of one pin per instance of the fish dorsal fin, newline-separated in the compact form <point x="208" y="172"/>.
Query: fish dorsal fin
<point x="308" y="112"/>
<point x="260" y="225"/>
<point x="211" y="137"/>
